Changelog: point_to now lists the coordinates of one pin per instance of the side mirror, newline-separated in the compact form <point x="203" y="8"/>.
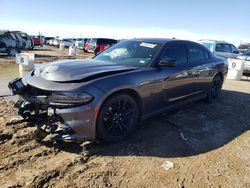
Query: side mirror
<point x="236" y="52"/>
<point x="167" y="62"/>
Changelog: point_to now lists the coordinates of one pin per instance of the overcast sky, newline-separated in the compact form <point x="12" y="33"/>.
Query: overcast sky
<point x="184" y="19"/>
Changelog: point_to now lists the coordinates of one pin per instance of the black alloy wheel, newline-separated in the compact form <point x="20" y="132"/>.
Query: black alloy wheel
<point x="215" y="88"/>
<point x="117" y="118"/>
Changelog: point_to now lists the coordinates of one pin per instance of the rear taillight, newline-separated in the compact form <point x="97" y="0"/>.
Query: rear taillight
<point x="103" y="47"/>
<point x="85" y="46"/>
<point x="97" y="47"/>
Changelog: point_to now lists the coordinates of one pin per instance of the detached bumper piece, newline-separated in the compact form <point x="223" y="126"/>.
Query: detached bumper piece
<point x="66" y="134"/>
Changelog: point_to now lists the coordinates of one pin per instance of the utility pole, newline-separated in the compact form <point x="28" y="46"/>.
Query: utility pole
<point x="40" y="38"/>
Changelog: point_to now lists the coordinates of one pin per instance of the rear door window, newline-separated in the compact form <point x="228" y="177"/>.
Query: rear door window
<point x="176" y="52"/>
<point x="223" y="48"/>
<point x="196" y="53"/>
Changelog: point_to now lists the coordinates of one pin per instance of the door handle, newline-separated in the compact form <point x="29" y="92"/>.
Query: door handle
<point x="199" y="69"/>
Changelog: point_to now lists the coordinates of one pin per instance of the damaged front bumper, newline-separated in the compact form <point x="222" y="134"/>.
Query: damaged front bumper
<point x="61" y="115"/>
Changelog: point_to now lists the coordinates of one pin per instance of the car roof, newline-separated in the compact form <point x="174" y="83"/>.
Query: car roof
<point x="156" y="40"/>
<point x="162" y="40"/>
<point x="103" y="38"/>
<point x="215" y="41"/>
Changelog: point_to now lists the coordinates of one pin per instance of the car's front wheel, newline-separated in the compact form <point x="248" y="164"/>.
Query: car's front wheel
<point x="215" y="89"/>
<point x="117" y="118"/>
<point x="12" y="52"/>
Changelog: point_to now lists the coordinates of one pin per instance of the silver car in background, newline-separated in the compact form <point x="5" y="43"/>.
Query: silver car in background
<point x="246" y="58"/>
<point x="220" y="48"/>
<point x="67" y="42"/>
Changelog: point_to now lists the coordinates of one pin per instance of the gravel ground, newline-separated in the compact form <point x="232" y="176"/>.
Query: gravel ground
<point x="208" y="145"/>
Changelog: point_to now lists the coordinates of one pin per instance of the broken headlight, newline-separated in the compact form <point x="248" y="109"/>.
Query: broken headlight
<point x="71" y="98"/>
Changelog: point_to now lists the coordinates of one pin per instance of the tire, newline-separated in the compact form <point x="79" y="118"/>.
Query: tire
<point x="12" y="52"/>
<point x="117" y="118"/>
<point x="215" y="89"/>
<point x="31" y="47"/>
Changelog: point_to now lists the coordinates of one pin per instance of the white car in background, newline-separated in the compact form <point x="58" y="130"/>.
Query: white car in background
<point x="56" y="42"/>
<point x="67" y="42"/>
<point x="220" y="48"/>
<point x="78" y="42"/>
<point x="50" y="42"/>
<point x="246" y="58"/>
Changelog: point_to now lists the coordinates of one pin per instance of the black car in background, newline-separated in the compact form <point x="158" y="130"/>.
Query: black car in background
<point x="105" y="97"/>
<point x="97" y="45"/>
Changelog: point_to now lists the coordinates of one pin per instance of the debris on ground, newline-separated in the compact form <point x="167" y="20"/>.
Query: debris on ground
<point x="15" y="120"/>
<point x="167" y="165"/>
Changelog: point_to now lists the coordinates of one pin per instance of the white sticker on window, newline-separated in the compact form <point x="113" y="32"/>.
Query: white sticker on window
<point x="148" y="45"/>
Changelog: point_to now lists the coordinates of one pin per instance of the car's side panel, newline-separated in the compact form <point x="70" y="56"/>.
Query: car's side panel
<point x="161" y="87"/>
<point x="204" y="73"/>
<point x="177" y="79"/>
<point x="146" y="82"/>
<point x="157" y="87"/>
<point x="205" y="66"/>
<point x="178" y="83"/>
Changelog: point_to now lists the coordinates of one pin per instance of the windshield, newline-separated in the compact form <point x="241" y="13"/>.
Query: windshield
<point x="135" y="53"/>
<point x="207" y="45"/>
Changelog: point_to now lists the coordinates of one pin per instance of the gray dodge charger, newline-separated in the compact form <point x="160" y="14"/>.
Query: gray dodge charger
<point x="105" y="97"/>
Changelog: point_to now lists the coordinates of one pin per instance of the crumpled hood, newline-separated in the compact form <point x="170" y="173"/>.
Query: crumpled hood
<point x="75" y="70"/>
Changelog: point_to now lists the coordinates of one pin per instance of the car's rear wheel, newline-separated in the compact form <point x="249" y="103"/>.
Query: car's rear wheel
<point x="117" y="118"/>
<point x="215" y="89"/>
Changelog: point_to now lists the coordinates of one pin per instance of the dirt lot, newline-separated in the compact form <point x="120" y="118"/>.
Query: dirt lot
<point x="46" y="54"/>
<point x="209" y="145"/>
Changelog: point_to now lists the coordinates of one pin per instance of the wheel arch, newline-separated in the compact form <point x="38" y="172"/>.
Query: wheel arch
<point x="133" y="93"/>
<point x="219" y="74"/>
